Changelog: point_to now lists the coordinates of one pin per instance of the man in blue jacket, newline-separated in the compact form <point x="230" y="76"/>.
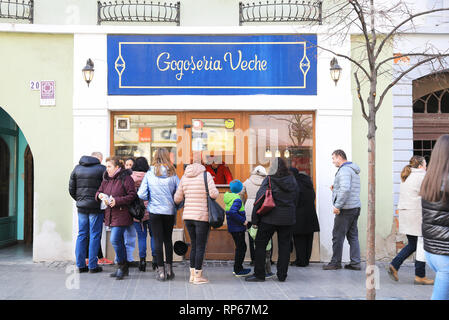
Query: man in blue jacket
<point x="346" y="207"/>
<point x="236" y="220"/>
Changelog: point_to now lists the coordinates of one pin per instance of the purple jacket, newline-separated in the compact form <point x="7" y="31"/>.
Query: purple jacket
<point x="121" y="187"/>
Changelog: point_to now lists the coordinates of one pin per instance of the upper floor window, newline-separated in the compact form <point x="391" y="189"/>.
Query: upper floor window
<point x="14" y="10"/>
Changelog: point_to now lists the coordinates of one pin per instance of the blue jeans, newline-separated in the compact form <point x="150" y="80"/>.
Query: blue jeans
<point x="407" y="251"/>
<point x="118" y="242"/>
<point x="89" y="225"/>
<point x="440" y="264"/>
<point x="141" y="230"/>
<point x="130" y="242"/>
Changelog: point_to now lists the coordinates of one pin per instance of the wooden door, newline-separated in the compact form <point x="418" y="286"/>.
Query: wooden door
<point x="212" y="136"/>
<point x="29" y="197"/>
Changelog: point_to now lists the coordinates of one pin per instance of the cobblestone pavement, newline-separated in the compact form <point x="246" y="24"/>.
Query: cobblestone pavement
<point x="20" y="278"/>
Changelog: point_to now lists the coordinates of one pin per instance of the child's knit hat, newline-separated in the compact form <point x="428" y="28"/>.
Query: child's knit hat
<point x="236" y="186"/>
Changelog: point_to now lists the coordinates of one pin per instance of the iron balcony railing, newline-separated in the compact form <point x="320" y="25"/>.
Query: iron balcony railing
<point x="143" y="11"/>
<point x="281" y="11"/>
<point x="17" y="10"/>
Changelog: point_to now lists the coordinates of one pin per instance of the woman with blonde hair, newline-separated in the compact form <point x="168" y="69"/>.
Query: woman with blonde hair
<point x="158" y="188"/>
<point x="410" y="220"/>
<point x="435" y="216"/>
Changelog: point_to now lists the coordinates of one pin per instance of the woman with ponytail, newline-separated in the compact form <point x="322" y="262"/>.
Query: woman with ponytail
<point x="117" y="192"/>
<point x="410" y="220"/>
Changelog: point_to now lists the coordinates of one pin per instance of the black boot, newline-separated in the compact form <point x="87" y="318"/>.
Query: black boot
<point x="160" y="274"/>
<point x="122" y="271"/>
<point x="169" y="271"/>
<point x="154" y="263"/>
<point x="142" y="264"/>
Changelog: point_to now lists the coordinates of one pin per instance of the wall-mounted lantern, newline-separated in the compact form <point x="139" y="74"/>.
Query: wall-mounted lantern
<point x="88" y="71"/>
<point x="335" y="70"/>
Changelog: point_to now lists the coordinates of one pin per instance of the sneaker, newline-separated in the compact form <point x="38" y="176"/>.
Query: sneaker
<point x="104" y="261"/>
<point x="269" y="275"/>
<point x="351" y="267"/>
<point x="253" y="278"/>
<point x="242" y="273"/>
<point x="331" y="267"/>
<point x="96" y="270"/>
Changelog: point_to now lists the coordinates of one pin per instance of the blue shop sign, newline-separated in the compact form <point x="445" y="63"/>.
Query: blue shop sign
<point x="212" y="65"/>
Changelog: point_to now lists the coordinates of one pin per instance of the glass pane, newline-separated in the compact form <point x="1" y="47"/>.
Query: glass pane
<point x="140" y="135"/>
<point x="6" y="121"/>
<point x="213" y="137"/>
<point x="445" y="103"/>
<point x="7" y="175"/>
<point x="287" y="136"/>
<point x="432" y="104"/>
<point x="418" y="106"/>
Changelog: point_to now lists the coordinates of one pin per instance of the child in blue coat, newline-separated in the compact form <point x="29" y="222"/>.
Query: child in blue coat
<point x="236" y="220"/>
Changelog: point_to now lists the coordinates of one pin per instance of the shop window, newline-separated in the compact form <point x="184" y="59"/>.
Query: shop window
<point x="4" y="178"/>
<point x="289" y="136"/>
<point x="140" y="135"/>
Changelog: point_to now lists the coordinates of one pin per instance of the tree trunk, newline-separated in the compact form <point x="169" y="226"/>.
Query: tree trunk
<point x="371" y="217"/>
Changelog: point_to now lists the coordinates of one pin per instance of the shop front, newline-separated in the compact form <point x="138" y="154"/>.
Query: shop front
<point x="231" y="100"/>
<point x="239" y="141"/>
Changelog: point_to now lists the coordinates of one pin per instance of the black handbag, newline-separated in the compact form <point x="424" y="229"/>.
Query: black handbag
<point x="136" y="208"/>
<point x="216" y="212"/>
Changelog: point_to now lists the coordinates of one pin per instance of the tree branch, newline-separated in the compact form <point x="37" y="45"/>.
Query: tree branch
<point x="384" y="93"/>
<point x="346" y="57"/>
<point x="362" y="103"/>
<point x="393" y="31"/>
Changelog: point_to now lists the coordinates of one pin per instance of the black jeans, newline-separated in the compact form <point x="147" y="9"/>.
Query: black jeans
<point x="407" y="251"/>
<point x="162" y="229"/>
<point x="198" y="232"/>
<point x="264" y="234"/>
<point x="303" y="246"/>
<point x="240" y="250"/>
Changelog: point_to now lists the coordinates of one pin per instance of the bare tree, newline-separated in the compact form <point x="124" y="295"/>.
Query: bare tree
<point x="379" y="24"/>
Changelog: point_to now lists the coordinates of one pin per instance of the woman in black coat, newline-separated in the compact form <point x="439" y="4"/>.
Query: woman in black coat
<point x="306" y="219"/>
<point x="280" y="219"/>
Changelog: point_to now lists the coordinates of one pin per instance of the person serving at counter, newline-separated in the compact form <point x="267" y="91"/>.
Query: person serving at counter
<point x="219" y="170"/>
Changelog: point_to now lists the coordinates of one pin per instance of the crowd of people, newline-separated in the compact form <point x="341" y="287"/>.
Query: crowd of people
<point x="103" y="195"/>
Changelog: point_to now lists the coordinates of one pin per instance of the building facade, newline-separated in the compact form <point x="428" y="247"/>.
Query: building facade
<point x="146" y="97"/>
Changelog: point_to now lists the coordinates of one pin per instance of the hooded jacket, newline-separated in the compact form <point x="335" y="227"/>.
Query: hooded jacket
<point x="235" y="212"/>
<point x="85" y="180"/>
<point x="346" y="191"/>
<point x="192" y="189"/>
<point x="159" y="191"/>
<point x="285" y="193"/>
<point x="121" y="187"/>
<point x="306" y="217"/>
<point x="250" y="187"/>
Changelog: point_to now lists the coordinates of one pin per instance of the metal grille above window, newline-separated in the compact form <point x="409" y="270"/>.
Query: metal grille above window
<point x="281" y="11"/>
<point x="138" y="11"/>
<point x="17" y="10"/>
